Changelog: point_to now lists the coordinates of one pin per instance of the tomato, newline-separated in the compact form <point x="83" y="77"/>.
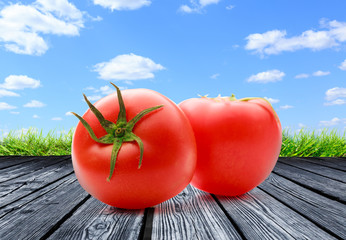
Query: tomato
<point x="238" y="142"/>
<point x="133" y="157"/>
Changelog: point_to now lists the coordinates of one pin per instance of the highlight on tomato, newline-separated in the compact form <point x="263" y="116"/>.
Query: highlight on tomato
<point x="238" y="142"/>
<point x="133" y="149"/>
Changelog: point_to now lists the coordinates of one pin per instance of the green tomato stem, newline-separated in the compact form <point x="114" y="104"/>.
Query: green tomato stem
<point x="232" y="97"/>
<point x="119" y="132"/>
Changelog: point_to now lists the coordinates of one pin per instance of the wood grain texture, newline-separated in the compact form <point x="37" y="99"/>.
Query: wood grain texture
<point x="326" y="186"/>
<point x="261" y="216"/>
<point x="9" y="161"/>
<point x="192" y="214"/>
<point x="96" y="220"/>
<point x="314" y="167"/>
<point x="27" y="167"/>
<point x="302" y="199"/>
<point x="328" y="214"/>
<point x="36" y="218"/>
<point x="332" y="162"/>
<point x="22" y="186"/>
<point x="339" y="161"/>
<point x="19" y="202"/>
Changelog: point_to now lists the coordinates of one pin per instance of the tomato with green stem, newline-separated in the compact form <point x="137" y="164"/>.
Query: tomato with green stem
<point x="133" y="157"/>
<point x="238" y="142"/>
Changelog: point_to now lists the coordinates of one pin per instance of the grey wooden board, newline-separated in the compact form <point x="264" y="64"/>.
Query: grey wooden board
<point x="95" y="220"/>
<point x="192" y="214"/>
<point x="321" y="184"/>
<point x="16" y="203"/>
<point x="35" y="219"/>
<point x="328" y="214"/>
<point x="17" y="188"/>
<point x="310" y="166"/>
<point x="26" y="168"/>
<point x="334" y="163"/>
<point x="8" y="161"/>
<point x="295" y="202"/>
<point x="261" y="216"/>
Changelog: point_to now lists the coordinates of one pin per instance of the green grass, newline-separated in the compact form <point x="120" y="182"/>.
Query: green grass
<point x="303" y="143"/>
<point x="313" y="144"/>
<point x="35" y="143"/>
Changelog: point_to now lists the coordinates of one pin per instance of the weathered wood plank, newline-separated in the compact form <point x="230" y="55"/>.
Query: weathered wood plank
<point x="328" y="214"/>
<point x="24" y="200"/>
<point x="332" y="162"/>
<point x="260" y="216"/>
<point x="38" y="217"/>
<point x="316" y="168"/>
<point x="96" y="220"/>
<point x="20" y="187"/>
<point x="192" y="214"/>
<point x="300" y="200"/>
<point x="9" y="161"/>
<point x="326" y="186"/>
<point x="28" y="167"/>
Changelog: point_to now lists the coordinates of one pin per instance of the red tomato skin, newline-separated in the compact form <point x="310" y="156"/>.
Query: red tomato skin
<point x="238" y="143"/>
<point x="169" y="157"/>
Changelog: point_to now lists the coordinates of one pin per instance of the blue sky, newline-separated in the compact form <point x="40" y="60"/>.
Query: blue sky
<point x="291" y="52"/>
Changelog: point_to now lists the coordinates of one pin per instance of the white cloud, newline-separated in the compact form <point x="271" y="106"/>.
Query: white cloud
<point x="266" y="77"/>
<point x="6" y="106"/>
<point x="20" y="82"/>
<point x="302" y="75"/>
<point x="56" y="118"/>
<point x="335" y="93"/>
<point x="286" y="107"/>
<point x="16" y="113"/>
<point x="93" y="98"/>
<point x="336" y="102"/>
<point x="276" y="41"/>
<point x="343" y="65"/>
<point x="272" y="100"/>
<point x="332" y="122"/>
<point x="127" y="67"/>
<point x="100" y="92"/>
<point x="68" y="114"/>
<point x="61" y="8"/>
<point x="34" y="104"/>
<point x="106" y="90"/>
<point x="197" y="7"/>
<point x="215" y="76"/>
<point x="335" y="96"/>
<point x="187" y="9"/>
<point x="22" y="26"/>
<point x="122" y="4"/>
<point x="337" y="29"/>
<point x="320" y="73"/>
<point x="35" y="116"/>
<point x="230" y="7"/>
<point x="204" y="3"/>
<point x="5" y="93"/>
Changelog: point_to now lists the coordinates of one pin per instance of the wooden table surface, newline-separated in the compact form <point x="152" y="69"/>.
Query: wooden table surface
<point x="303" y="198"/>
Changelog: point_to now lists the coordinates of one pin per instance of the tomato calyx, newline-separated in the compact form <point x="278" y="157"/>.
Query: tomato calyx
<point x="117" y="133"/>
